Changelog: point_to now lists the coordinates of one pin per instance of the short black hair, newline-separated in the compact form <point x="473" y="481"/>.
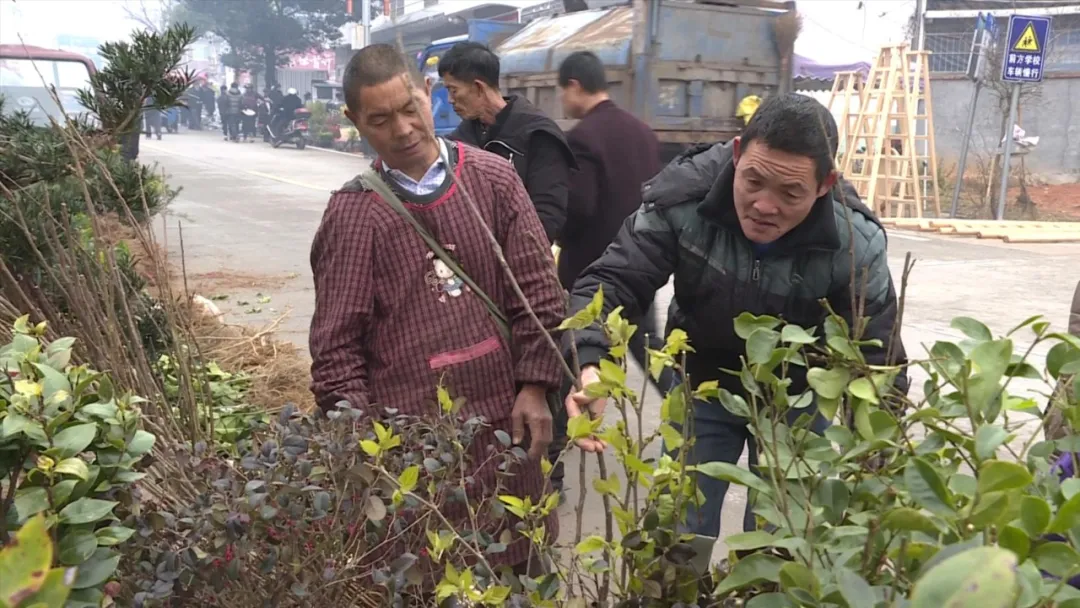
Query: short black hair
<point x="469" y="61"/>
<point x="796" y="124"/>
<point x="586" y="68"/>
<point x="372" y="65"/>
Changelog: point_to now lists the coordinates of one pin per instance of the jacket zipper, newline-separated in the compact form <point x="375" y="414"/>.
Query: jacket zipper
<point x="755" y="274"/>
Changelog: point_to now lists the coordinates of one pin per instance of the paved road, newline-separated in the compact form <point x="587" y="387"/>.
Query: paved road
<point x="249" y="212"/>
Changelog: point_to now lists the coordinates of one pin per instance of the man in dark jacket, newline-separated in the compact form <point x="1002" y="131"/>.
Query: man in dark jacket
<point x="752" y="225"/>
<point x="231" y="111"/>
<point x="510" y="127"/>
<point x="615" y="153"/>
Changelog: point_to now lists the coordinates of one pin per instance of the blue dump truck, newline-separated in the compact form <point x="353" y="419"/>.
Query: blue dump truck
<point x="680" y="66"/>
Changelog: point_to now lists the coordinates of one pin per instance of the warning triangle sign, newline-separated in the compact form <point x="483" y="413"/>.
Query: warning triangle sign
<point x="1027" y="41"/>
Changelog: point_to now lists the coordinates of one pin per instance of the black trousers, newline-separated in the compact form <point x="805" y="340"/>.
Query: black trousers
<point x="646" y="326"/>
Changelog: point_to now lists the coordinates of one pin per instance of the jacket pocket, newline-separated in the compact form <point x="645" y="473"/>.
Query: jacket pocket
<point x="481" y="374"/>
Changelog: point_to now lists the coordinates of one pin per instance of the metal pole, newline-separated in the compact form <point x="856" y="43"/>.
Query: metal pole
<point x="964" y="149"/>
<point x="365" y="20"/>
<point x="920" y="24"/>
<point x="1008" y="151"/>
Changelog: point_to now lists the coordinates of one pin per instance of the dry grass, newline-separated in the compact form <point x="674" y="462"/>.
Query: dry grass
<point x="279" y="372"/>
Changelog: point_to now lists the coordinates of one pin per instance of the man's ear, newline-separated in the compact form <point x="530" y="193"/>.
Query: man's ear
<point x="827" y="183"/>
<point x="428" y="83"/>
<point x="353" y="118"/>
<point x="736" y="148"/>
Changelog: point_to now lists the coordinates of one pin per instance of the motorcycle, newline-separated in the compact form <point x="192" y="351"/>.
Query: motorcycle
<point x="296" y="131"/>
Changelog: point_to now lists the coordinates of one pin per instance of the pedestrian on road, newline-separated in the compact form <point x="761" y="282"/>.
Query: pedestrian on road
<point x="222" y="110"/>
<point x="151" y="118"/>
<point x="616" y="153"/>
<point x="249" y="106"/>
<point x="391" y="316"/>
<point x="195" y="108"/>
<point x="754" y="225"/>
<point x="234" y="103"/>
<point x="209" y="102"/>
<point x="510" y="127"/>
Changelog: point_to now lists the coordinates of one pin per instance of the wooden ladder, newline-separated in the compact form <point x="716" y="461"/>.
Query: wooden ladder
<point x="847" y="88"/>
<point x="881" y="174"/>
<point x="926" y="167"/>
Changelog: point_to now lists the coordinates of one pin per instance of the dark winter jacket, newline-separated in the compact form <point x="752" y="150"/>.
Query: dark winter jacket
<point x="537" y="148"/>
<point x="234" y="102"/>
<point x="688" y="227"/>
<point x="616" y="154"/>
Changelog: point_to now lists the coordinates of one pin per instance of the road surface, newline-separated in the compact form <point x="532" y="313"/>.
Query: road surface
<point x="248" y="213"/>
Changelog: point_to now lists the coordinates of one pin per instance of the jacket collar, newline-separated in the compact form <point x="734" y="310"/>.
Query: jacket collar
<point x="817" y="231"/>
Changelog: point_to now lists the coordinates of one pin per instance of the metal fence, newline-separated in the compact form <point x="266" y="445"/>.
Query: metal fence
<point x="951" y="51"/>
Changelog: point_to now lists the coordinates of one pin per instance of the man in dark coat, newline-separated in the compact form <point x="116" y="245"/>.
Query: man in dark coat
<point x="755" y="225"/>
<point x="393" y="321"/>
<point x="615" y="153"/>
<point x="510" y="127"/>
<point x="206" y="95"/>
<point x="231" y="111"/>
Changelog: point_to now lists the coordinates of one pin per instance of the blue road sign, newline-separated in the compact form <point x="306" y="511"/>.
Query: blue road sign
<point x="1024" y="56"/>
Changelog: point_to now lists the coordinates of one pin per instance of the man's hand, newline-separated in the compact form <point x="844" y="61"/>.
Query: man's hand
<point x="579" y="402"/>
<point x="531" y="408"/>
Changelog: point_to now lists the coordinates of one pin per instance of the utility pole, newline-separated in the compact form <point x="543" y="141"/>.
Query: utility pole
<point x="920" y="25"/>
<point x="365" y="20"/>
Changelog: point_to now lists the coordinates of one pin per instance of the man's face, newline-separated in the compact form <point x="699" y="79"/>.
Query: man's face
<point x="774" y="190"/>
<point x="395" y="118"/>
<point x="572" y="97"/>
<point x="466" y="97"/>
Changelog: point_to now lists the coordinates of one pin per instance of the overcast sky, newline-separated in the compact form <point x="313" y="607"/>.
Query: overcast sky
<point x="834" y="31"/>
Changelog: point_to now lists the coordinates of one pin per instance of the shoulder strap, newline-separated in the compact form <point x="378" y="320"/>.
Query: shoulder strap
<point x="374" y="182"/>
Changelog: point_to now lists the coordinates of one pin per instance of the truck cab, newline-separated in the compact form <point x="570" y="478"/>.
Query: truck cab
<point x="484" y="31"/>
<point x="29" y="73"/>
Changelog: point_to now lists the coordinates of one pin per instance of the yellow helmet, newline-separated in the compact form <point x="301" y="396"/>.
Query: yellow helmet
<point x="746" y="108"/>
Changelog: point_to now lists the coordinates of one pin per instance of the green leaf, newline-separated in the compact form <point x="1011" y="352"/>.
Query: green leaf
<point x="749" y="540"/>
<point x="984" y="577"/>
<point x="580" y="427"/>
<point x="54" y="591"/>
<point x="73" y="466"/>
<point x="113" y="535"/>
<point x="26" y="562"/>
<point x="843" y="346"/>
<point x="97" y="570"/>
<point x="1034" y="515"/>
<point x="998" y="475"/>
<point x="751" y="570"/>
<point x="734" y="403"/>
<point x="409" y="478"/>
<point x="76" y="546"/>
<point x="972" y="329"/>
<point x="794" y="575"/>
<point x="673" y="439"/>
<point x="863" y="388"/>
<point x="1067" y="516"/>
<point x="833" y="495"/>
<point x="771" y="600"/>
<point x="86" y="510"/>
<point x="988" y="439"/>
<point x="989" y="508"/>
<point x="733" y="474"/>
<point x="30" y="502"/>
<point x="1016" y="540"/>
<point x="855" y="590"/>
<point x="746" y="323"/>
<point x="1059" y="559"/>
<point x="828" y="383"/>
<point x="760" y="345"/>
<point x="927" y="488"/>
<point x="793" y="334"/>
<point x="590" y="544"/>
<point x="906" y="519"/>
<point x="74" y="439"/>
<point x="991" y="359"/>
<point x="1060" y="355"/>
<point x="141" y="443"/>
